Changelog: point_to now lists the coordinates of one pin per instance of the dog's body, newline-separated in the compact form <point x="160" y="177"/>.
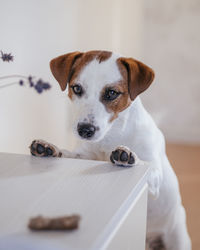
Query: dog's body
<point x="108" y="112"/>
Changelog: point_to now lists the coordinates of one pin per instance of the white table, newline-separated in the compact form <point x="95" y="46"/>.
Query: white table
<point x="111" y="200"/>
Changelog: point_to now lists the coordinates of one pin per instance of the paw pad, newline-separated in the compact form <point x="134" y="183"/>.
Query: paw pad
<point x="122" y="156"/>
<point x="41" y="148"/>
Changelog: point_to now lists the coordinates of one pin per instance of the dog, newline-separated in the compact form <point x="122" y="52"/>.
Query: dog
<point x="112" y="125"/>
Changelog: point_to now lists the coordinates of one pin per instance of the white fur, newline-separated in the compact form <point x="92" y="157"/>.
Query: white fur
<point x="93" y="78"/>
<point x="135" y="129"/>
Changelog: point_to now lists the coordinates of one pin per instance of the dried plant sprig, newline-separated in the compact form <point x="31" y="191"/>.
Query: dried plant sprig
<point x="6" y="57"/>
<point x="8" y="85"/>
<point x="39" y="86"/>
<point x="13" y="76"/>
<point x="26" y="78"/>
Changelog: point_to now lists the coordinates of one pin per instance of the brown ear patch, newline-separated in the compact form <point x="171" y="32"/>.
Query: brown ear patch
<point x="103" y="56"/>
<point x="139" y="76"/>
<point x="136" y="76"/>
<point x="61" y="67"/>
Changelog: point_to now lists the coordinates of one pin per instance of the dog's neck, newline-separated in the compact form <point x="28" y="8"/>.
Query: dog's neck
<point x="131" y="118"/>
<point x="134" y="114"/>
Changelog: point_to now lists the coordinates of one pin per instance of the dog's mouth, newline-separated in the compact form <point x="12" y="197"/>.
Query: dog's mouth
<point x="86" y="130"/>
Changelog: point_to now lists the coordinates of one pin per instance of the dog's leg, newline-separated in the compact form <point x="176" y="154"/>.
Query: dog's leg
<point x="42" y="148"/>
<point x="177" y="238"/>
<point x="123" y="156"/>
<point x="155" y="243"/>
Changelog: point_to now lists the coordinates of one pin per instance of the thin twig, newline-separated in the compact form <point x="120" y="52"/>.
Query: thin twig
<point x="9" y="84"/>
<point x="13" y="76"/>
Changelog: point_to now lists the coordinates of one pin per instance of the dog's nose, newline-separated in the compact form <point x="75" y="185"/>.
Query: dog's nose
<point x="86" y="130"/>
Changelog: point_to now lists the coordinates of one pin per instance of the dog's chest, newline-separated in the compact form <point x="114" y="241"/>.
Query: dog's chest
<point x="103" y="148"/>
<point x="101" y="156"/>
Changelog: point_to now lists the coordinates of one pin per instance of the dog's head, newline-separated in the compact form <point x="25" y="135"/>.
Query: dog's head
<point x="101" y="85"/>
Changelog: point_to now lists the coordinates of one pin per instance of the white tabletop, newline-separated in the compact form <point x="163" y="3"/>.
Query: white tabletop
<point x="98" y="191"/>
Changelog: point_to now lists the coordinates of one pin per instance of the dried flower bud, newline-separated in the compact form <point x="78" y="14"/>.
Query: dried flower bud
<point x="46" y="85"/>
<point x="21" y="82"/>
<point x="6" y="57"/>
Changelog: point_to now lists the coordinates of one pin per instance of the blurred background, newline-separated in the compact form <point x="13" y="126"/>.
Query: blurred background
<point x="162" y="34"/>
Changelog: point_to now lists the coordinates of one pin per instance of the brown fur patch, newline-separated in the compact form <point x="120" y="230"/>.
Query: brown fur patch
<point x="136" y="78"/>
<point x="156" y="243"/>
<point x="61" y="67"/>
<point x="139" y="75"/>
<point x="121" y="102"/>
<point x="103" y="56"/>
<point x="83" y="61"/>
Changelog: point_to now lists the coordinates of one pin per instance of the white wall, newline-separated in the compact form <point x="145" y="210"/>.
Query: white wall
<point x="171" y="45"/>
<point x="35" y="32"/>
<point x="113" y="25"/>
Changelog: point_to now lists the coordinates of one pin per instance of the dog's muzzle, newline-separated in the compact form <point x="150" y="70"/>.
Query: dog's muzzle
<point x="86" y="130"/>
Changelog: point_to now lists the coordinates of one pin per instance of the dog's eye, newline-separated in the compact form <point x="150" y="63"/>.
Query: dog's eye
<point x="110" y="95"/>
<point x="77" y="89"/>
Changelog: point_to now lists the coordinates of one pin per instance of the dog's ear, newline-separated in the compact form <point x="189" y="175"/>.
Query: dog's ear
<point x="61" y="67"/>
<point x="140" y="76"/>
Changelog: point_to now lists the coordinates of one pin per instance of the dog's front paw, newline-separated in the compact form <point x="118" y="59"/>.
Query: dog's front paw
<point x="123" y="156"/>
<point x="43" y="148"/>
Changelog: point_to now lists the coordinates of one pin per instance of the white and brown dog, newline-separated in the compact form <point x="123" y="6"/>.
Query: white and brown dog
<point x="108" y="112"/>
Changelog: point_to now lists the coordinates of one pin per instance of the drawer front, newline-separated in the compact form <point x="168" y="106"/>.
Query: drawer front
<point x="131" y="231"/>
